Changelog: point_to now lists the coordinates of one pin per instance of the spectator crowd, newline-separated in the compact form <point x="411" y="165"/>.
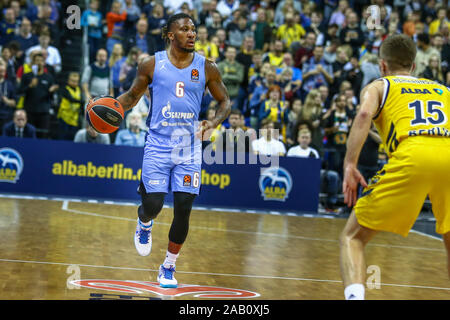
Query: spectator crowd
<point x="292" y="67"/>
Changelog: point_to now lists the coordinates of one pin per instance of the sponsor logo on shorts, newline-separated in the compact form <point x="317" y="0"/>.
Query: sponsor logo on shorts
<point x="187" y="181"/>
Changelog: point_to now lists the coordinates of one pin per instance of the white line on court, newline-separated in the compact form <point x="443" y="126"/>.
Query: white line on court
<point x="219" y="274"/>
<point x="65" y="207"/>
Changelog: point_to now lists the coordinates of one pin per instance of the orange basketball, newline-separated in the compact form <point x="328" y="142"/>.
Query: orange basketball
<point x="104" y="114"/>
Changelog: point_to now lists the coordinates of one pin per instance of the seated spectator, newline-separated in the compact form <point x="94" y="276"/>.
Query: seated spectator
<point x="89" y="135"/>
<point x="142" y="107"/>
<point x="276" y="54"/>
<point x="19" y="127"/>
<point x="10" y="66"/>
<point x="441" y="18"/>
<point x="129" y="64"/>
<point x="226" y="7"/>
<point x="424" y="52"/>
<point x="293" y="117"/>
<point x="259" y="93"/>
<point x="216" y="22"/>
<point x="262" y="30"/>
<point x="368" y="159"/>
<point x="210" y="49"/>
<point x="133" y="14"/>
<point x="7" y="96"/>
<point x="268" y="143"/>
<point x="53" y="58"/>
<point x="351" y="34"/>
<point x="329" y="179"/>
<point x="70" y="108"/>
<point x="237" y="31"/>
<point x="140" y="39"/>
<point x="370" y="69"/>
<point x="132" y="135"/>
<point x="305" y="51"/>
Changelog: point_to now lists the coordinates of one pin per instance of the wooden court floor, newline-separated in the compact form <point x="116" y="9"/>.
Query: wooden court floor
<point x="50" y="248"/>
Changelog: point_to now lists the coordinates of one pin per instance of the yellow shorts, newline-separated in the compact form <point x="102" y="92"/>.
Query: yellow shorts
<point x="394" y="198"/>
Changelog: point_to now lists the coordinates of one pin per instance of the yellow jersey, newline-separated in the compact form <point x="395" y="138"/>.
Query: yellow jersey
<point x="412" y="107"/>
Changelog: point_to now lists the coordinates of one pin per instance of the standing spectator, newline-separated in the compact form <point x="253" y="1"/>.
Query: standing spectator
<point x="19" y="127"/>
<point x="312" y="112"/>
<point x="275" y="54"/>
<point x="216" y="22"/>
<point x="245" y="57"/>
<point x="316" y="71"/>
<point x="133" y="15"/>
<point x="226" y="7"/>
<point x="235" y="139"/>
<point x="267" y="144"/>
<point x="305" y="51"/>
<point x="209" y="49"/>
<point x="288" y="63"/>
<point x="141" y="39"/>
<point x="25" y="38"/>
<point x="89" y="135"/>
<point x="53" y="58"/>
<point x="353" y="74"/>
<point x="368" y="159"/>
<point x="318" y="26"/>
<point x="96" y="79"/>
<point x="424" y="52"/>
<point x="338" y="15"/>
<point x="70" y="108"/>
<point x="290" y="31"/>
<point x="440" y="19"/>
<point x="352" y="34"/>
<point x="155" y="24"/>
<point x="115" y="63"/>
<point x="259" y="94"/>
<point x="129" y="64"/>
<point x="115" y="20"/>
<point x="262" y="30"/>
<point x="275" y="109"/>
<point x="238" y="30"/>
<point x="293" y="116"/>
<point x="284" y="7"/>
<point x="10" y="66"/>
<point x="434" y="70"/>
<point x="92" y="19"/>
<point x="8" y="27"/>
<point x="133" y="135"/>
<point x="232" y="73"/>
<point x="37" y="87"/>
<point x="7" y="96"/>
<point x="337" y="126"/>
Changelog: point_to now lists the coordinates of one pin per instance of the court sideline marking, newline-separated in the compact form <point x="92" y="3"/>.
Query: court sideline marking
<point x="65" y="207"/>
<point x="220" y="274"/>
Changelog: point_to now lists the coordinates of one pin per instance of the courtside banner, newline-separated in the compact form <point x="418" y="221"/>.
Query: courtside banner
<point x="109" y="172"/>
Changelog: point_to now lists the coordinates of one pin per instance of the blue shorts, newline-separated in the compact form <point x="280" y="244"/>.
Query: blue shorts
<point x="170" y="165"/>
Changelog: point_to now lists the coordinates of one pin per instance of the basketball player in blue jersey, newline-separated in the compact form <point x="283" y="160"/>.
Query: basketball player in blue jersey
<point x="176" y="79"/>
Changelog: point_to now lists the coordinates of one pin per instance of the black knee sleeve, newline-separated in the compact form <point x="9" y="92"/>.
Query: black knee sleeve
<point x="182" y="206"/>
<point x="151" y="204"/>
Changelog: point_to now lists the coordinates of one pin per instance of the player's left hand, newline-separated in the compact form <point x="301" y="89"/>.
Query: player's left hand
<point x="205" y="130"/>
<point x="352" y="177"/>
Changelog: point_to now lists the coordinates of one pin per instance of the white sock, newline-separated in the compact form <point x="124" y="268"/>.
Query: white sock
<point x="146" y="225"/>
<point x="170" y="260"/>
<point x="354" y="292"/>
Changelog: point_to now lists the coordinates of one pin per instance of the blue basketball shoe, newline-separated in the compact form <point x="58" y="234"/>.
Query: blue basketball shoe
<point x="143" y="238"/>
<point x="166" y="277"/>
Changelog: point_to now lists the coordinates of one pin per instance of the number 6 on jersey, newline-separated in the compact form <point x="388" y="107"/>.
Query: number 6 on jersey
<point x="179" y="89"/>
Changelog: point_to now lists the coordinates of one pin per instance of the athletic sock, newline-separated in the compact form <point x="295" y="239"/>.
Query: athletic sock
<point x="354" y="292"/>
<point x="145" y="225"/>
<point x="170" y="260"/>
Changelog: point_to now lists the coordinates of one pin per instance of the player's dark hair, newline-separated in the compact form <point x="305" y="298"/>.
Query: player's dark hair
<point x="172" y="19"/>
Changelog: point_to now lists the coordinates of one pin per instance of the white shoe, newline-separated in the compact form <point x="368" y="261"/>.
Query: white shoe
<point x="143" y="239"/>
<point x="166" y="277"/>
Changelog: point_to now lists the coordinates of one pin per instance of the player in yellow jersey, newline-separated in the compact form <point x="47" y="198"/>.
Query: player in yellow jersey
<point x="412" y="117"/>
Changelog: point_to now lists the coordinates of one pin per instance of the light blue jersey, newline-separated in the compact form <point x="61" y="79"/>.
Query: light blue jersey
<point x="172" y="154"/>
<point x="176" y="96"/>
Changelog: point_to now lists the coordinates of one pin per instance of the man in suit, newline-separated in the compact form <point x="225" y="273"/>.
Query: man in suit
<point x="19" y="126"/>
